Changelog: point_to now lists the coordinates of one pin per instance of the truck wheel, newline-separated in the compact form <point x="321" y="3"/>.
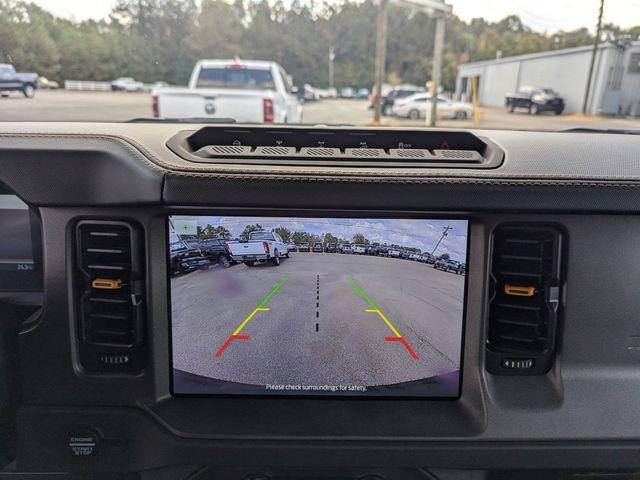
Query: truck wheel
<point x="276" y="258"/>
<point x="534" y="109"/>
<point x="286" y="255"/>
<point x="223" y="261"/>
<point x="461" y="115"/>
<point x="414" y="114"/>
<point x="249" y="264"/>
<point x="29" y="91"/>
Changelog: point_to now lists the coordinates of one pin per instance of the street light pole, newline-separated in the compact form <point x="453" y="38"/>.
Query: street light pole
<point x="596" y="40"/>
<point x="332" y="56"/>
<point x="381" y="53"/>
<point x="438" y="45"/>
<point x="444" y="234"/>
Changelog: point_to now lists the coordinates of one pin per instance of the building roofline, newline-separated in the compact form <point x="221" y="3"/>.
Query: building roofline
<point x="531" y="56"/>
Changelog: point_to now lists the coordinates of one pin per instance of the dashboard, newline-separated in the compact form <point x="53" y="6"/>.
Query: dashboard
<point x="242" y="302"/>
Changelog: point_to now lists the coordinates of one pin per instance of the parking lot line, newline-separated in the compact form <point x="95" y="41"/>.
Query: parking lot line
<point x="374" y="309"/>
<point x="260" y="308"/>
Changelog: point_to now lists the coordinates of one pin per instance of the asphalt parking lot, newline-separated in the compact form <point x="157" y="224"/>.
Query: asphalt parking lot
<point x="319" y="319"/>
<point x="62" y="105"/>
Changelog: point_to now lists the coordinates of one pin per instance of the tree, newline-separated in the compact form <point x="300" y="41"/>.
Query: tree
<point x="330" y="238"/>
<point x="360" y="238"/>
<point x="445" y="256"/>
<point x="248" y="229"/>
<point x="284" y="233"/>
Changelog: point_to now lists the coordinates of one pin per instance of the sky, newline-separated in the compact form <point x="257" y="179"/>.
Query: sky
<point x="540" y="15"/>
<point x="423" y="234"/>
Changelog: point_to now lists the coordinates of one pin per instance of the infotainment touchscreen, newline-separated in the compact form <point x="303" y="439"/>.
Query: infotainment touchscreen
<point x="357" y="307"/>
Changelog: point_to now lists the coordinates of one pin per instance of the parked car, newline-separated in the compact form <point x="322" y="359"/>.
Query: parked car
<point x="425" y="257"/>
<point x="449" y="266"/>
<point x="362" y="94"/>
<point x="260" y="247"/>
<point x="331" y="248"/>
<point x="185" y="258"/>
<point x="10" y="80"/>
<point x="45" y="84"/>
<point x="347" y="92"/>
<point x="291" y="247"/>
<point x="395" y="253"/>
<point x="345" y="248"/>
<point x="247" y="91"/>
<point x="371" y="250"/>
<point x="415" y="257"/>
<point x="318" y="247"/>
<point x="304" y="247"/>
<point x="395" y="95"/>
<point x="126" y="84"/>
<point x="535" y="100"/>
<point x="359" y="249"/>
<point x="416" y="106"/>
<point x="216" y="251"/>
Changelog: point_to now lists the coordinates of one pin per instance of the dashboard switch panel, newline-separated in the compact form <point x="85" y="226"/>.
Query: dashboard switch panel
<point x="110" y="296"/>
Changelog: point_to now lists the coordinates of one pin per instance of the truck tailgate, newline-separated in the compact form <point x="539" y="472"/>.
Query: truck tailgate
<point x="247" y="248"/>
<point x="244" y="106"/>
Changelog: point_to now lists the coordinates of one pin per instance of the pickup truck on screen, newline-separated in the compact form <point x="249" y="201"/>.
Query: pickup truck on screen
<point x="247" y="91"/>
<point x="10" y="80"/>
<point x="261" y="247"/>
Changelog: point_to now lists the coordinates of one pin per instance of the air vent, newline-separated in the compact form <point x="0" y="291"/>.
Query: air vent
<point x="525" y="299"/>
<point x="110" y="295"/>
<point x="336" y="147"/>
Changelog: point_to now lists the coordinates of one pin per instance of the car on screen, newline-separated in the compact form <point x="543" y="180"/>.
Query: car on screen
<point x="394" y="253"/>
<point x="260" y="247"/>
<point x="371" y="250"/>
<point x="317" y="247"/>
<point x="216" y="251"/>
<point x="185" y="257"/>
<point x="345" y="248"/>
<point x="359" y="249"/>
<point x="304" y="247"/>
<point x="448" y="265"/>
<point x="331" y="248"/>
<point x="415" y="257"/>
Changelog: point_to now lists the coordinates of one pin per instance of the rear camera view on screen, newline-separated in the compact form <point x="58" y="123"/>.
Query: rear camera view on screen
<point x="317" y="306"/>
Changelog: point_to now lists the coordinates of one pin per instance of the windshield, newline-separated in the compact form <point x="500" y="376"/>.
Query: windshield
<point x="261" y="236"/>
<point x="235" y="78"/>
<point x="492" y="64"/>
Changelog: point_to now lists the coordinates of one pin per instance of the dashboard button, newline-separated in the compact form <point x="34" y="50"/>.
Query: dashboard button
<point x="83" y="442"/>
<point x="518" y="363"/>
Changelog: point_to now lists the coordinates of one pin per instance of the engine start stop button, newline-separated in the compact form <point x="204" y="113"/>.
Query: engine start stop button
<point x="83" y="442"/>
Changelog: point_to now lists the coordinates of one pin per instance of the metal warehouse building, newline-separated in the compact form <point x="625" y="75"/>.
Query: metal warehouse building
<point x="615" y="86"/>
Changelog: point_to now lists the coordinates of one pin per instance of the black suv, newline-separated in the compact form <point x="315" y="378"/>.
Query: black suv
<point x="318" y="248"/>
<point x="331" y="248"/>
<point x="216" y="251"/>
<point x="184" y="257"/>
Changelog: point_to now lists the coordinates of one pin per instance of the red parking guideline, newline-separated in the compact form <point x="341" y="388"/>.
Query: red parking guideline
<point x="228" y="342"/>
<point x="404" y="342"/>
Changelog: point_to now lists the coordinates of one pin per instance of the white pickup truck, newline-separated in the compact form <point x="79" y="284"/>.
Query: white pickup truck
<point x="261" y="247"/>
<point x="247" y="91"/>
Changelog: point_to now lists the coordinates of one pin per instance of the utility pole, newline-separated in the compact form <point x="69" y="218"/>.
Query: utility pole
<point x="596" y="40"/>
<point x="332" y="56"/>
<point x="438" y="45"/>
<point x="381" y="53"/>
<point x="444" y="234"/>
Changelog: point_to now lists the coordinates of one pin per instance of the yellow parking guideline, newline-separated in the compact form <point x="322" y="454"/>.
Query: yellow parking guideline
<point x="386" y="320"/>
<point x="248" y="319"/>
<point x="261" y="306"/>
<point x="374" y="308"/>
